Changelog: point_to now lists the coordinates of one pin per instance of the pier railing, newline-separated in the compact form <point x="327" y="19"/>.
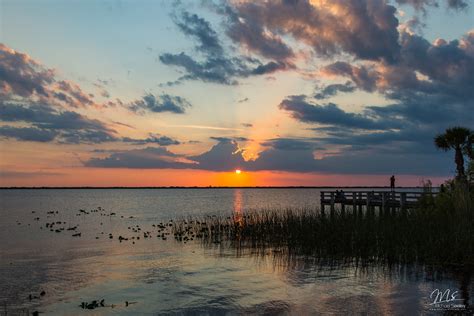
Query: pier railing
<point x="371" y="199"/>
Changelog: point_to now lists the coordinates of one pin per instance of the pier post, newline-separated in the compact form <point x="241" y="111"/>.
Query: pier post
<point x="332" y="203"/>
<point x="382" y="207"/>
<point x="321" y="198"/>
<point x="368" y="202"/>
<point x="403" y="200"/>
<point x="354" y="203"/>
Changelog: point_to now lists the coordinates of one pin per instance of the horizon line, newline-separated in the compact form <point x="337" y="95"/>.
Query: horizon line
<point x="199" y="187"/>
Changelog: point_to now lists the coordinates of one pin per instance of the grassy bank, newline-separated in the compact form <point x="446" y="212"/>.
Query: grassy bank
<point x="439" y="232"/>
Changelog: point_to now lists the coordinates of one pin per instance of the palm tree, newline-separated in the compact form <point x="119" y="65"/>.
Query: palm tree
<point x="457" y="138"/>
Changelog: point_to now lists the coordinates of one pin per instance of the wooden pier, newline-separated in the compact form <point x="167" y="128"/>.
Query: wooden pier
<point x="383" y="200"/>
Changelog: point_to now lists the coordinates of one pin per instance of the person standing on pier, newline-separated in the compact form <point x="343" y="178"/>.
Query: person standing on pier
<point x="392" y="183"/>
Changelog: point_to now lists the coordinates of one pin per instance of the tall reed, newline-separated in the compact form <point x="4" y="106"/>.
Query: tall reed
<point x="439" y="231"/>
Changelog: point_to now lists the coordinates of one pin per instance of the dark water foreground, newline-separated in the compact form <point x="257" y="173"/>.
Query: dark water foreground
<point x="127" y="258"/>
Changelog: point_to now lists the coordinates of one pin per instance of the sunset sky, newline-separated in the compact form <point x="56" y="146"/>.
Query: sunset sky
<point x="183" y="93"/>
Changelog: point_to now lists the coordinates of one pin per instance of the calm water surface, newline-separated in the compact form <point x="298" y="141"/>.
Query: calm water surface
<point x="157" y="276"/>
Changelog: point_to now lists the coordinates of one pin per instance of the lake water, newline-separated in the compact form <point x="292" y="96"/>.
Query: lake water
<point x="158" y="276"/>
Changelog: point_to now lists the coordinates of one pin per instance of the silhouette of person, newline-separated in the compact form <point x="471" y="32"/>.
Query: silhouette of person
<point x="392" y="183"/>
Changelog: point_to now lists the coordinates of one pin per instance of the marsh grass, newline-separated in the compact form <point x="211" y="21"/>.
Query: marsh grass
<point x="440" y="231"/>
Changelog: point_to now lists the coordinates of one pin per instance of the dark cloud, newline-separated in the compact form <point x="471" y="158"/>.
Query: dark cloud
<point x="152" y="139"/>
<point x="331" y="114"/>
<point x="422" y="4"/>
<point x="431" y="84"/>
<point x="247" y="125"/>
<point x="295" y="155"/>
<point x="254" y="36"/>
<point x="271" y="67"/>
<point x="229" y="139"/>
<point x="31" y="134"/>
<point x="146" y="158"/>
<point x="161" y="103"/>
<point x="46" y="117"/>
<point x="224" y="156"/>
<point x="364" y="77"/>
<point x="372" y="153"/>
<point x="430" y="89"/>
<point x="457" y="4"/>
<point x="216" y="70"/>
<point x="443" y="70"/>
<point x="123" y="124"/>
<point x="289" y="144"/>
<point x="284" y="160"/>
<point x="214" y="64"/>
<point x="201" y="30"/>
<point x="333" y="89"/>
<point x="94" y="136"/>
<point x="48" y="124"/>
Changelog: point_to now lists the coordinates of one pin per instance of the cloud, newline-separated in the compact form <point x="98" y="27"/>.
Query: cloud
<point x="294" y="155"/>
<point x="31" y="134"/>
<point x="429" y="88"/>
<point x="229" y="139"/>
<point x="333" y="89"/>
<point x="23" y="77"/>
<point x="224" y="156"/>
<point x="152" y="139"/>
<point x="75" y="92"/>
<point x="431" y="84"/>
<point x="422" y="4"/>
<point x="216" y="70"/>
<point x="366" y="30"/>
<point x="364" y="77"/>
<point x="48" y="124"/>
<point x="254" y="36"/>
<point x="288" y="144"/>
<point x="146" y="158"/>
<point x="271" y="67"/>
<point x="214" y="63"/>
<point x="331" y="114"/>
<point x="442" y="69"/>
<point x="247" y="124"/>
<point x="161" y="103"/>
<point x="201" y="30"/>
<point x="355" y="155"/>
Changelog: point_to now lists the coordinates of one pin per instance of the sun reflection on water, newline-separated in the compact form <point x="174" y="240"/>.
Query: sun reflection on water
<point x="238" y="216"/>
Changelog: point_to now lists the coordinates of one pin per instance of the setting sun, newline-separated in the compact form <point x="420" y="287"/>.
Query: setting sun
<point x="238" y="171"/>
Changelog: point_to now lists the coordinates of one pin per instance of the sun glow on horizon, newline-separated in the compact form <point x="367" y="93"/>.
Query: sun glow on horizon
<point x="238" y="171"/>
